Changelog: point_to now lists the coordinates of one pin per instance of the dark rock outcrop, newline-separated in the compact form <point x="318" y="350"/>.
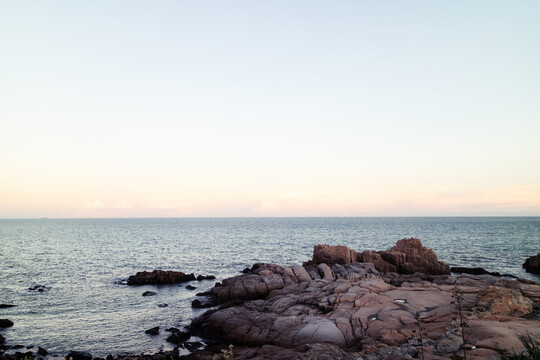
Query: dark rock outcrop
<point x="2" y="340"/>
<point x="149" y="293"/>
<point x="78" y="355"/>
<point x="532" y="264"/>
<point x="41" y="351"/>
<point x="159" y="277"/>
<point x="5" y="323"/>
<point x="6" y="306"/>
<point x="477" y="271"/>
<point x="406" y="257"/>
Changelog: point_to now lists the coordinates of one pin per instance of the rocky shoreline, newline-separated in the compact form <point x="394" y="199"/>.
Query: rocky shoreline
<point x="400" y="303"/>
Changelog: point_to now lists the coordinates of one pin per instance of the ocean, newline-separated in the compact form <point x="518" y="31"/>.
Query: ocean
<point x="82" y="263"/>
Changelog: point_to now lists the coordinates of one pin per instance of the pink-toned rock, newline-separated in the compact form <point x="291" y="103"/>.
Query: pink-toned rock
<point x="333" y="254"/>
<point x="406" y="257"/>
<point x="409" y="256"/>
<point x="288" y="312"/>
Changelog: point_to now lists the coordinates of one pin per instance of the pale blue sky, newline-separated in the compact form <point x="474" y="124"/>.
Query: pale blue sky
<point x="281" y="108"/>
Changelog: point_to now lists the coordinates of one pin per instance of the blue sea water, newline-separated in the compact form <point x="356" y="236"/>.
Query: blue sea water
<point x="83" y="260"/>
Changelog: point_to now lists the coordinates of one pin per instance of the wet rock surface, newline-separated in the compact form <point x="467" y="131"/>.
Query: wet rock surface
<point x="349" y="309"/>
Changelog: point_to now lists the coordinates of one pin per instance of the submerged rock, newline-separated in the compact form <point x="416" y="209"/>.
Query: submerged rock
<point x="149" y="293"/>
<point x="39" y="288"/>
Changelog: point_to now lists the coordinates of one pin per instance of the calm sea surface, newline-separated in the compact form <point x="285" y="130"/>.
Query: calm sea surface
<point x="83" y="261"/>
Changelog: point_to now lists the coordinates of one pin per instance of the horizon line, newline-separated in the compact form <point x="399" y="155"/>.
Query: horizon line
<point x="271" y="217"/>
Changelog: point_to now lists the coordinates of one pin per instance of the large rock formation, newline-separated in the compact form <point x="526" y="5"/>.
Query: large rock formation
<point x="322" y="310"/>
<point x="407" y="257"/>
<point x="532" y="264"/>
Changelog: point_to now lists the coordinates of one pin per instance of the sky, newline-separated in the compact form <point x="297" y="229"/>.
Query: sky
<point x="269" y="108"/>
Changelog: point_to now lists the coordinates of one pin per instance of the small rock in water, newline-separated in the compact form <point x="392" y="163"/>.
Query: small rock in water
<point x="2" y="339"/>
<point x="5" y="306"/>
<point x="190" y="287"/>
<point x="5" y="323"/>
<point x="208" y="277"/>
<point x="172" y="329"/>
<point x="159" y="277"/>
<point x="149" y="293"/>
<point x="198" y="304"/>
<point x="78" y="355"/>
<point x="178" y="337"/>
<point x="109" y="357"/>
<point x="153" y="331"/>
<point x="163" y="305"/>
<point x="18" y="346"/>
